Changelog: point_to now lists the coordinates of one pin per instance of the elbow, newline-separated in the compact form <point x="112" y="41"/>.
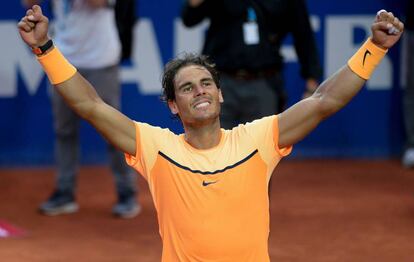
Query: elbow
<point x="326" y="106"/>
<point x="87" y="110"/>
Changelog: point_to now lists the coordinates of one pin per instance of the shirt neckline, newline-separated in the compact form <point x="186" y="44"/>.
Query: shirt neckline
<point x="190" y="147"/>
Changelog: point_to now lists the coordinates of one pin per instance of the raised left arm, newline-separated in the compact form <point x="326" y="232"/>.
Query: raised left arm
<point x="334" y="93"/>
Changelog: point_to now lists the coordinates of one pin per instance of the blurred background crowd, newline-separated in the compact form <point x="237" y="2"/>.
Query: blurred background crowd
<point x="307" y="41"/>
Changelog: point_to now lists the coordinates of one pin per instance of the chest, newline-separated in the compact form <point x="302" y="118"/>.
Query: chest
<point x="190" y="186"/>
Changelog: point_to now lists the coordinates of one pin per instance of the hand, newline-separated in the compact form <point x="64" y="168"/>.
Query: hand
<point x="386" y="29"/>
<point x="33" y="27"/>
<point x="311" y="86"/>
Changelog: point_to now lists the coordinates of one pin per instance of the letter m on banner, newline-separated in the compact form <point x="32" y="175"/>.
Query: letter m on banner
<point x="16" y="58"/>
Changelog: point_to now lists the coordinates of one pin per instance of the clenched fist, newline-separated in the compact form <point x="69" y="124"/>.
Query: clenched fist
<point x="386" y="29"/>
<point x="33" y="27"/>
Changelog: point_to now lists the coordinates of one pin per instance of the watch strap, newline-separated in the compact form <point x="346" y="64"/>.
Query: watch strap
<point x="40" y="50"/>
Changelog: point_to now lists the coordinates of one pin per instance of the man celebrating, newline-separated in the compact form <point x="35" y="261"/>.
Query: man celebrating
<point x="209" y="185"/>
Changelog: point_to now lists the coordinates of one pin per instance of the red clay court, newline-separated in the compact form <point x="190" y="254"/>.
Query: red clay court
<point x="322" y="210"/>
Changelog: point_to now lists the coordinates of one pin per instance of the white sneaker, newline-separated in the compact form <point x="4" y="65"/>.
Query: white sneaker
<point x="408" y="158"/>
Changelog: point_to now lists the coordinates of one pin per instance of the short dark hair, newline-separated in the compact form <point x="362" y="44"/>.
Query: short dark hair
<point x="186" y="59"/>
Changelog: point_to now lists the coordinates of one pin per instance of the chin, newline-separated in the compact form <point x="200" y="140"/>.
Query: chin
<point x="204" y="117"/>
<point x="209" y="117"/>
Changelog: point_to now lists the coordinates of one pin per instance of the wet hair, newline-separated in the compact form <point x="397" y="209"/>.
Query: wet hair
<point x="183" y="60"/>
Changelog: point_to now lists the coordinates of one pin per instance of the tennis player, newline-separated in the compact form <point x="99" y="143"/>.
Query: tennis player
<point x="209" y="185"/>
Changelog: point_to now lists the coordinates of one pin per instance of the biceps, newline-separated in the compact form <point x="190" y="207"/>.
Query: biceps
<point x="298" y="121"/>
<point x="115" y="127"/>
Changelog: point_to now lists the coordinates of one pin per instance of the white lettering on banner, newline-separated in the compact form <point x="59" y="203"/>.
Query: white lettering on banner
<point x="339" y="48"/>
<point x="17" y="57"/>
<point x="288" y="51"/>
<point x="146" y="59"/>
<point x="189" y="39"/>
<point x="147" y="64"/>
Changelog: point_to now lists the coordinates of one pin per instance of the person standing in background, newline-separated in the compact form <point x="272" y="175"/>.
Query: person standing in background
<point x="86" y="33"/>
<point x="244" y="39"/>
<point x="408" y="99"/>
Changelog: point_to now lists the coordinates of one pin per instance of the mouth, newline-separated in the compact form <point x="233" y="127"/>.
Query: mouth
<point x="201" y="104"/>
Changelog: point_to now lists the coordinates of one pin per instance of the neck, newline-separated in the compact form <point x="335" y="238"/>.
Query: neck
<point x="203" y="137"/>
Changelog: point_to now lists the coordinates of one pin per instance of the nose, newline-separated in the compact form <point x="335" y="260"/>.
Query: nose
<point x="199" y="90"/>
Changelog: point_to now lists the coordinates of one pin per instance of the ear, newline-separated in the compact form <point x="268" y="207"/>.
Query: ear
<point x="173" y="107"/>
<point x="221" y="99"/>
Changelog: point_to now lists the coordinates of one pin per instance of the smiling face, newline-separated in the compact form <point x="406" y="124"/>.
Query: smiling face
<point x="197" y="97"/>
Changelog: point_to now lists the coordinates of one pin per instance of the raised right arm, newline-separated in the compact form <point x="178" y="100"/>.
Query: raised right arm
<point x="117" y="128"/>
<point x="78" y="93"/>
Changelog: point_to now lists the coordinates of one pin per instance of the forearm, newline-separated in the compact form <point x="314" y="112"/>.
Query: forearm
<point x="80" y="96"/>
<point x="299" y="120"/>
<point x="332" y="95"/>
<point x="339" y="89"/>
<point x="76" y="91"/>
<point x="335" y="92"/>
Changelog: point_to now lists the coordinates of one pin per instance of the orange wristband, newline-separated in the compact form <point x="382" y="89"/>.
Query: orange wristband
<point x="366" y="59"/>
<point x="57" y="68"/>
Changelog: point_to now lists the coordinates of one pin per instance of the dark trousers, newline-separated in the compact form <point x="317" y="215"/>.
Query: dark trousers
<point x="66" y="126"/>
<point x="248" y="100"/>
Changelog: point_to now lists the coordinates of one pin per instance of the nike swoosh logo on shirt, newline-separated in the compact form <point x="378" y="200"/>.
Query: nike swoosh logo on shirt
<point x="209" y="183"/>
